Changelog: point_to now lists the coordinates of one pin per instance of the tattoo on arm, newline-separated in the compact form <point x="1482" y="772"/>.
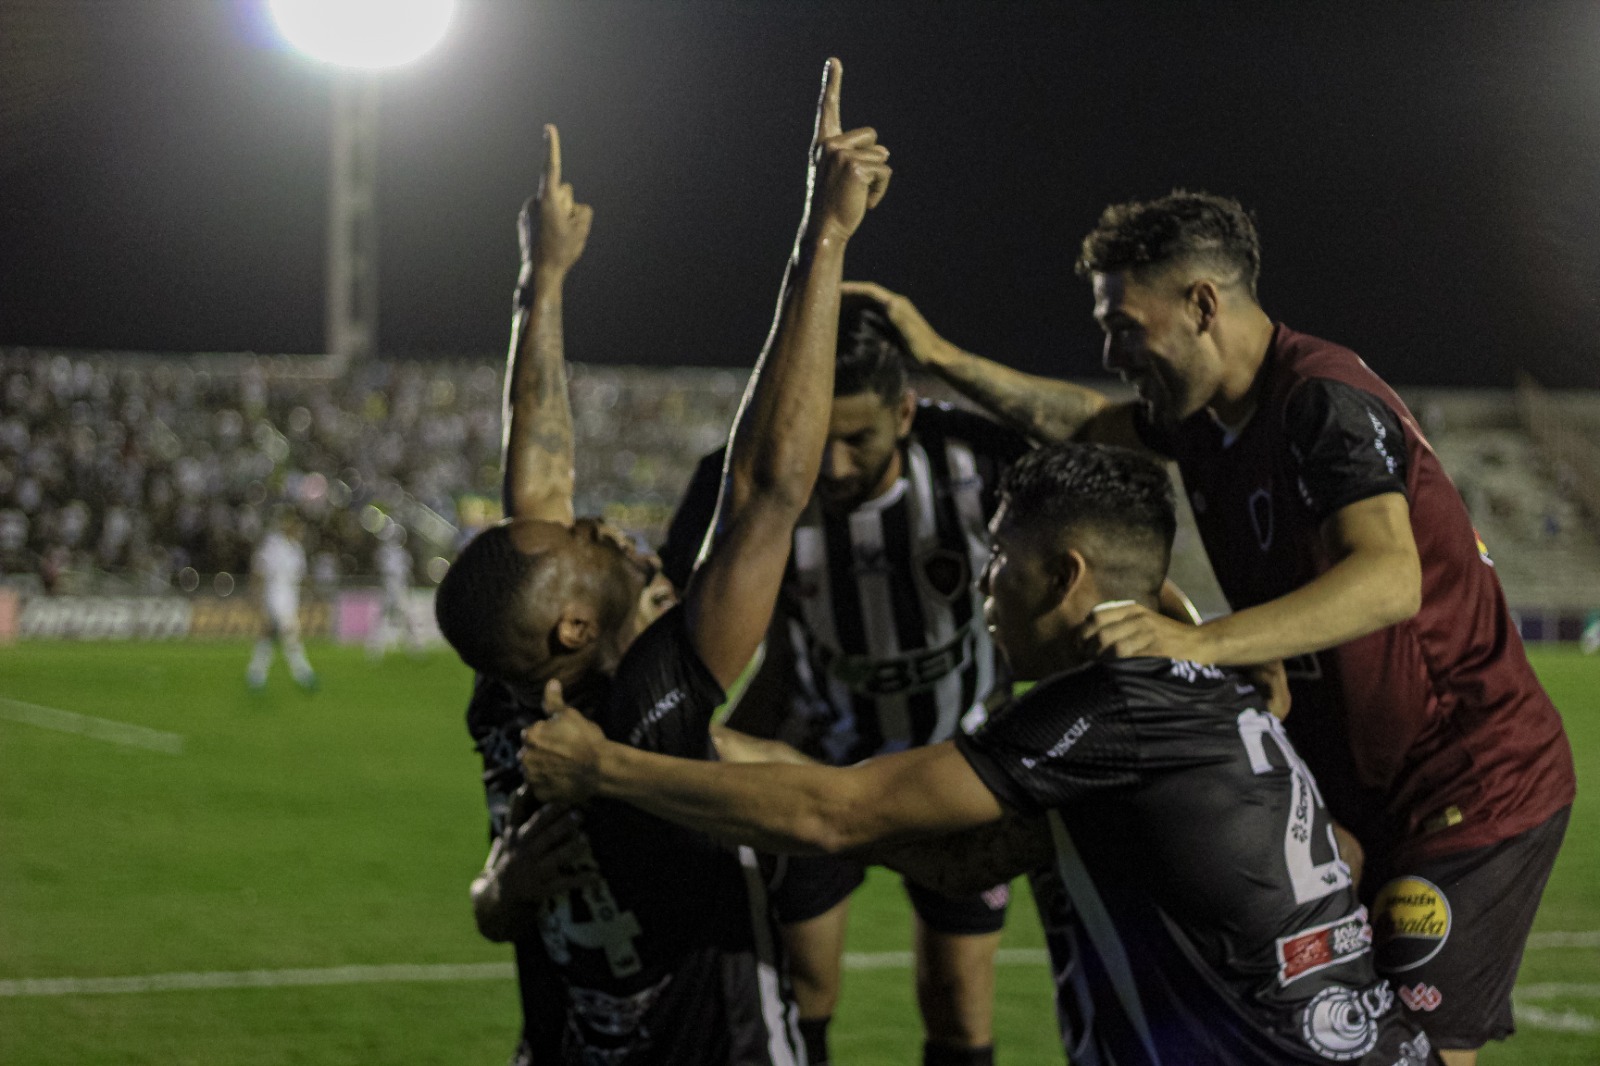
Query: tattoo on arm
<point x="1045" y="409"/>
<point x="539" y="435"/>
<point x="972" y="860"/>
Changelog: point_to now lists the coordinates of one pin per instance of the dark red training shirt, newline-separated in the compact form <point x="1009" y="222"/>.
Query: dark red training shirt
<point x="1430" y="736"/>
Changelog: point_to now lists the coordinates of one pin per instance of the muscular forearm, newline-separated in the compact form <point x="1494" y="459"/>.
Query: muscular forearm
<point x="1045" y="409"/>
<point x="538" y="437"/>
<point x="784" y="808"/>
<point x="1357" y="596"/>
<point x="971" y="861"/>
<point x="776" y="447"/>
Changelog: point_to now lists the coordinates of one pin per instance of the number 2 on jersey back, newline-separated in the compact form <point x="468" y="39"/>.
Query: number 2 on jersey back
<point x="1311" y="880"/>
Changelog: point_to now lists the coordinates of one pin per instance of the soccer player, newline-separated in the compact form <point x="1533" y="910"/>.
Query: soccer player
<point x="665" y="955"/>
<point x="880" y="646"/>
<point x="395" y="616"/>
<point x="277" y="570"/>
<point x="1344" y="549"/>
<point x="1184" y="865"/>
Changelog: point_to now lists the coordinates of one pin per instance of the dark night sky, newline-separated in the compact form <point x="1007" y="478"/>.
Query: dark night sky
<point x="1425" y="175"/>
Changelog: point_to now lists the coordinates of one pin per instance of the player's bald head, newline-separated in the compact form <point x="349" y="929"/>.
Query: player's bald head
<point x="499" y="605"/>
<point x="1112" y="505"/>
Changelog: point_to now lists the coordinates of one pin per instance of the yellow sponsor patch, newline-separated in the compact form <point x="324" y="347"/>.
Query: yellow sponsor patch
<point x="1410" y="922"/>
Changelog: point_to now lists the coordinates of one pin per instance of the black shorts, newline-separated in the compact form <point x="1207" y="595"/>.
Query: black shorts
<point x="811" y="885"/>
<point x="1450" y="933"/>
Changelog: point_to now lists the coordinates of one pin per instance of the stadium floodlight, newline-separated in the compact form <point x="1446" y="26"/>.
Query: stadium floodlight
<point x="367" y="34"/>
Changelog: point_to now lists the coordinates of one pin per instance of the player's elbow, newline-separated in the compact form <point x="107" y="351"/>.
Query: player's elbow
<point x="1400" y="588"/>
<point x="488" y="911"/>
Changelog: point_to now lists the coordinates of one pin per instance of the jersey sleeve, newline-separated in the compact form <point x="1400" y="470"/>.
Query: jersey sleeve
<point x="1066" y="738"/>
<point x="692" y="519"/>
<point x="1348" y="445"/>
<point x="663" y="695"/>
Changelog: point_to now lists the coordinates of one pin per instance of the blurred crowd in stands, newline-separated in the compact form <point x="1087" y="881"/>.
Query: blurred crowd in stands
<point x="146" y="473"/>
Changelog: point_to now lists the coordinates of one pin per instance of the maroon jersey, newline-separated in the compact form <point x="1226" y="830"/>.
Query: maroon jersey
<point x="1430" y="736"/>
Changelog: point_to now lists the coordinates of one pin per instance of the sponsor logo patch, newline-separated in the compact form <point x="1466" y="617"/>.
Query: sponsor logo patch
<point x="1322" y="946"/>
<point x="1411" y="920"/>
<point x="1420" y="997"/>
<point x="1342" y="1023"/>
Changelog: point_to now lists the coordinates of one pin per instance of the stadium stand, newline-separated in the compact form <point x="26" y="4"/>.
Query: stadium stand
<point x="126" y="474"/>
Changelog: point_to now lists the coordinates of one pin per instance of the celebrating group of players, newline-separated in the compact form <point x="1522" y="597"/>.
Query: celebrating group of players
<point x="1218" y="883"/>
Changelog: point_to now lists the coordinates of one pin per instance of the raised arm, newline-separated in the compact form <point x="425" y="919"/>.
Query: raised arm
<point x="782" y="807"/>
<point x="776" y="446"/>
<point x="1046" y="409"/>
<point x="537" y="418"/>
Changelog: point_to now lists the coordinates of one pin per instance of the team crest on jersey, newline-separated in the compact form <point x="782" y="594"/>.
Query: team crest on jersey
<point x="1420" y="997"/>
<point x="1342" y="1023"/>
<point x="945" y="572"/>
<point x="1260" y="507"/>
<point x="1411" y="919"/>
<point x="1322" y="946"/>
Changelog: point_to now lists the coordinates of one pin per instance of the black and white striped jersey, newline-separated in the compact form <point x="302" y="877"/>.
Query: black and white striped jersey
<point x="1196" y="910"/>
<point x="880" y="605"/>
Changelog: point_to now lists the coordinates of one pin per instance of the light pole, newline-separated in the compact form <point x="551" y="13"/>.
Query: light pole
<point x="363" y="37"/>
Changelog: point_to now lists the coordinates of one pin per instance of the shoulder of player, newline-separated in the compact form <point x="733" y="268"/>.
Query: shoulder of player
<point x="1143" y="684"/>
<point x="660" y="670"/>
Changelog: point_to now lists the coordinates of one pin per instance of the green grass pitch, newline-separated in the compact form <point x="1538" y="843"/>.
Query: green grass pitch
<point x="296" y="832"/>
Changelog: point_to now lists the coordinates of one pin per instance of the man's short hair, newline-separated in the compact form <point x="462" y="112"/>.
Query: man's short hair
<point x="1141" y="237"/>
<point x="1112" y="504"/>
<point x="871" y="352"/>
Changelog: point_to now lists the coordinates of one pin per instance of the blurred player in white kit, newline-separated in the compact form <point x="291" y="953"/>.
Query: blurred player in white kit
<point x="394" y="568"/>
<point x="277" y="570"/>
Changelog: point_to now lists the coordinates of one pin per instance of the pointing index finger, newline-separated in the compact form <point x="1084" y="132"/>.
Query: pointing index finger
<point x="552" y="156"/>
<point x="828" y="107"/>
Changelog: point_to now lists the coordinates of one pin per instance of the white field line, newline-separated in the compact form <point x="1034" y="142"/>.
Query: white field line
<point x="1533" y="1017"/>
<point x="363" y="975"/>
<point x="1589" y="938"/>
<point x="132" y="736"/>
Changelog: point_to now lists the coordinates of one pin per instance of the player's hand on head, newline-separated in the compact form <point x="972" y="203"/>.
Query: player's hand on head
<point x="1130" y="630"/>
<point x="561" y="755"/>
<point x="552" y="227"/>
<point x="849" y="170"/>
<point x="920" y="337"/>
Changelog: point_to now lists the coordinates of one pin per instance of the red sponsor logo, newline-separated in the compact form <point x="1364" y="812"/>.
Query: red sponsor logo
<point x="1420" y="997"/>
<point x="1323" y="946"/>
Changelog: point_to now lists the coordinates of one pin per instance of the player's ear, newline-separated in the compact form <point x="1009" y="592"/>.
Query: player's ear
<point x="904" y="413"/>
<point x="1204" y="302"/>
<point x="1070" y="580"/>
<point x="577" y="627"/>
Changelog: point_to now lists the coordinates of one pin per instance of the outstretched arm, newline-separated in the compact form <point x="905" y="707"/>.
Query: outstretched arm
<point x="1375" y="582"/>
<point x="968" y="862"/>
<point x="780" y="807"/>
<point x="776" y="446"/>
<point x="537" y="418"/>
<point x="1046" y="409"/>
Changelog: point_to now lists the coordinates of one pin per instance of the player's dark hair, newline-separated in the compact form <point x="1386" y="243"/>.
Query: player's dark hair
<point x="497" y="606"/>
<point x="871" y="352"/>
<point x="1113" y="504"/>
<point x="1140" y="237"/>
<point x="481" y="602"/>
